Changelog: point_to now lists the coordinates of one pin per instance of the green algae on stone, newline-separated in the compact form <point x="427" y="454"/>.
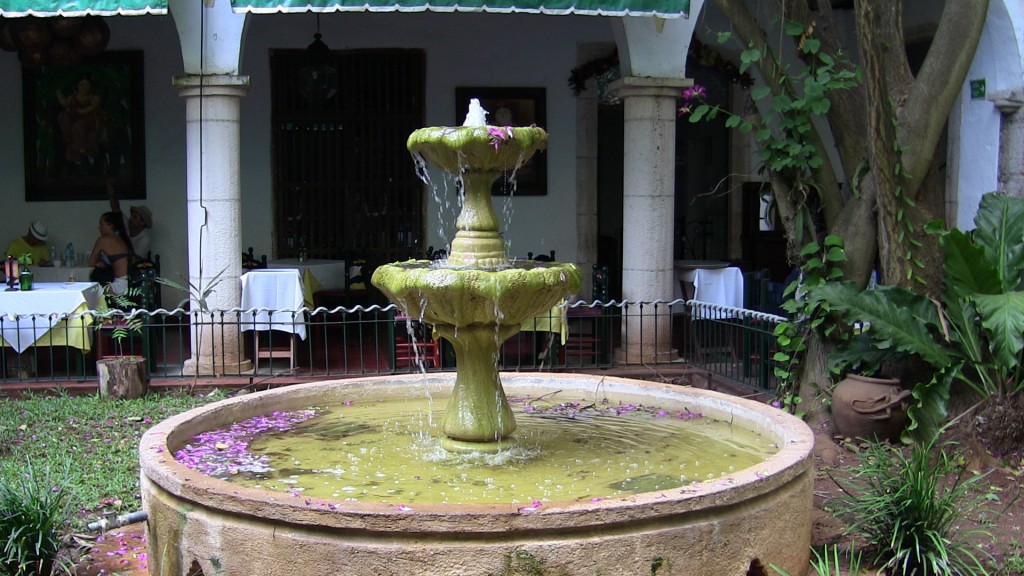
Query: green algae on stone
<point x="463" y="297"/>
<point x="472" y="148"/>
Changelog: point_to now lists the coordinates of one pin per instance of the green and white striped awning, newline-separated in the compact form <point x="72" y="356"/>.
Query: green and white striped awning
<point x="10" y="8"/>
<point x="662" y="8"/>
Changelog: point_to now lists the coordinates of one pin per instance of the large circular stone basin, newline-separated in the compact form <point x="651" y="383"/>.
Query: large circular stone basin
<point x="753" y="517"/>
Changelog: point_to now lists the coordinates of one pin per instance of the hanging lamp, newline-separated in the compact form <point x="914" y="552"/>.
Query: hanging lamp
<point x="318" y="80"/>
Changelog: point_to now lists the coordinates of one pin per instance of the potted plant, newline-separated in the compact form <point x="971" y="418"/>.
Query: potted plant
<point x="122" y="375"/>
<point x="974" y="335"/>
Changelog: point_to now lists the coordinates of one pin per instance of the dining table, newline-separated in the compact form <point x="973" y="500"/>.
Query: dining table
<point x="51" y="314"/>
<point x="271" y="299"/>
<point x="316" y="275"/>
<point x="709" y="281"/>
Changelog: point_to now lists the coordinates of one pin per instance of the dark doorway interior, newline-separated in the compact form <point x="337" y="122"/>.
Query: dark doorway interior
<point x="702" y="189"/>
<point x="344" y="184"/>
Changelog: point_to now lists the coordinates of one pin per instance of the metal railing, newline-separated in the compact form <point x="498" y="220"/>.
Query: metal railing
<point x="732" y="343"/>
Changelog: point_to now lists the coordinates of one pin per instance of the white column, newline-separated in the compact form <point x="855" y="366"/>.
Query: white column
<point x="1011" y="142"/>
<point x="647" y="213"/>
<point x="214" y="216"/>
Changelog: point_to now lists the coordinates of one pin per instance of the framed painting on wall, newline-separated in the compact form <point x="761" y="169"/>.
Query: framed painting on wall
<point x="511" y="107"/>
<point x="84" y="129"/>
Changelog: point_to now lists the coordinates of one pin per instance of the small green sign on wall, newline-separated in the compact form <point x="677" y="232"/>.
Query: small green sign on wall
<point x="977" y="89"/>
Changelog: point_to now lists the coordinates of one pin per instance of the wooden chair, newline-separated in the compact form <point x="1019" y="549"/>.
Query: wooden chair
<point x="589" y="328"/>
<point x="412" y="344"/>
<point x="264" y="348"/>
<point x="249" y="261"/>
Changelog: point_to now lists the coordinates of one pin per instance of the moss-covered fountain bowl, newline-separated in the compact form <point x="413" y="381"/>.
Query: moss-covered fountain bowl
<point x="462" y="297"/>
<point x="458" y="149"/>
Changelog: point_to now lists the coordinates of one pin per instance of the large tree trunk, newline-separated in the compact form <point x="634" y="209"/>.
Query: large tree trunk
<point x="885" y="133"/>
<point x="906" y="119"/>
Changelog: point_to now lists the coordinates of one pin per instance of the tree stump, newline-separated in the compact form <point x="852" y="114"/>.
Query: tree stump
<point x="124" y="377"/>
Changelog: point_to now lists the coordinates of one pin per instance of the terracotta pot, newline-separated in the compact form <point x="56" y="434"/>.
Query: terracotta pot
<point x="864" y="407"/>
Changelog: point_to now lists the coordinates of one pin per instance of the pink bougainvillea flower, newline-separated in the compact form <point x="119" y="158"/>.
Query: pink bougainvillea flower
<point x="695" y="92"/>
<point x="499" y="134"/>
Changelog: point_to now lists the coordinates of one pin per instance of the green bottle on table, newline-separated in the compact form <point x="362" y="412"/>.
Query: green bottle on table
<point x="25" y="279"/>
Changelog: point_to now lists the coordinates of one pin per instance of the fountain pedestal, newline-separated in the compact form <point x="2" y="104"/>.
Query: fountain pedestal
<point x="480" y="298"/>
<point x="477" y="242"/>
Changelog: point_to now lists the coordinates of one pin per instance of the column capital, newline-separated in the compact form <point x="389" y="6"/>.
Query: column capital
<point x="646" y="86"/>
<point x="192" y="85"/>
<point x="1007" y="101"/>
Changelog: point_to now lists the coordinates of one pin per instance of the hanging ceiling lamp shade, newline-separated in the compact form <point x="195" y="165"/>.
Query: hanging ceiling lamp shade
<point x="318" y="79"/>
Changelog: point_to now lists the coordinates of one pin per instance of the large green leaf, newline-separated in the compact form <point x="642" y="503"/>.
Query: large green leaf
<point x="1000" y="232"/>
<point x="1002" y="316"/>
<point x="930" y="405"/>
<point x="968" y="269"/>
<point x="860" y="354"/>
<point x="891" y="324"/>
<point x="962" y="328"/>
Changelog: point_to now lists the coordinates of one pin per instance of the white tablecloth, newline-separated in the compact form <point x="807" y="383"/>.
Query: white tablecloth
<point x="722" y="286"/>
<point x="329" y="273"/>
<point x="51" y="303"/>
<point x="273" y="290"/>
<point x="61" y="274"/>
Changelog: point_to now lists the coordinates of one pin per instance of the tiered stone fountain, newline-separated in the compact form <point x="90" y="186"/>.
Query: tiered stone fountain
<point x="479" y="298"/>
<point x="737" y="523"/>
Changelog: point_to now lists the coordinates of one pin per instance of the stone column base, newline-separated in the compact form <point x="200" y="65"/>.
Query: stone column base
<point x="205" y="366"/>
<point x="645" y="354"/>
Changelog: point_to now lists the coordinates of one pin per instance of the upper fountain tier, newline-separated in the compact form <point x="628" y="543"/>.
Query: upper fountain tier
<point x="477" y="155"/>
<point x="492" y="149"/>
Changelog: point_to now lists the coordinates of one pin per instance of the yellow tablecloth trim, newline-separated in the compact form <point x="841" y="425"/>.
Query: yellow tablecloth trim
<point x="310" y="286"/>
<point x="74" y="331"/>
<point x="553" y="321"/>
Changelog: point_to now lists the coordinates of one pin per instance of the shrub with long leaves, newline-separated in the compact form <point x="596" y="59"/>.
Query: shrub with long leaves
<point x="907" y="508"/>
<point x="974" y="336"/>
<point x="829" y="561"/>
<point x="34" y="514"/>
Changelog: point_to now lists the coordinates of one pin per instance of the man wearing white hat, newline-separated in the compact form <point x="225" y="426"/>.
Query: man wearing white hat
<point x="138" y="222"/>
<point x="34" y="243"/>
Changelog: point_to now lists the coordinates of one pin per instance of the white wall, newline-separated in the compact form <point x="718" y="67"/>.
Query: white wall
<point x="461" y="50"/>
<point x="975" y="123"/>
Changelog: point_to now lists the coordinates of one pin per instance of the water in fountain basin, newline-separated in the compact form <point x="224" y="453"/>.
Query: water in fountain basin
<point x="390" y="451"/>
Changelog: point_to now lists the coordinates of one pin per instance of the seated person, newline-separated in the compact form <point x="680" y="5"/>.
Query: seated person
<point x="138" y="222"/>
<point x="34" y="243"/>
<point x="112" y="255"/>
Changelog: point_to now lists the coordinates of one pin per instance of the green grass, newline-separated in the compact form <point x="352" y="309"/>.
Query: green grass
<point x="95" y="440"/>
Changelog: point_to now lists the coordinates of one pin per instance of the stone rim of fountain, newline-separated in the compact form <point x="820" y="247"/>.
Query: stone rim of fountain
<point x="160" y="442"/>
